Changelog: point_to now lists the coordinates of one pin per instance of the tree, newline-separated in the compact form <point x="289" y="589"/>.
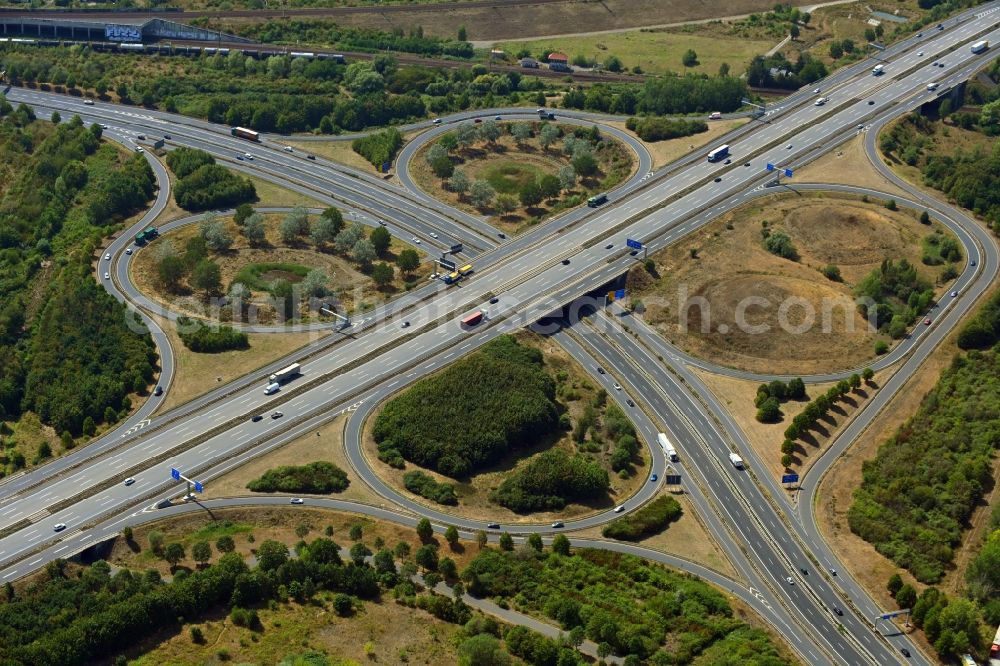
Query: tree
<point x="584" y="164"/>
<point x="459" y="182"/>
<point x="530" y="194"/>
<point x="239" y="292"/>
<point x="549" y="186"/>
<point x="894" y="584"/>
<point x="155" y="541"/>
<point x="214" y="232"/>
<point x="201" y="552"/>
<point x="382" y="274"/>
<point x="127" y="534"/>
<point x="355" y="532"/>
<point x="481" y="539"/>
<point x="769" y="411"/>
<point x="548" y="135"/>
<point x="906" y="596"/>
<point x="466" y="135"/>
<point x="358" y="553"/>
<point x="243" y="211"/>
<point x="505" y="204"/>
<point x="284" y="298"/>
<point x="535" y="542"/>
<point x="424" y="530"/>
<point x="448" y="568"/>
<point x="506" y="541"/>
<point x="324" y="230"/>
<point x="788" y="447"/>
<point x="786" y="460"/>
<point x="225" y="544"/>
<point x="451" y="536"/>
<point x="271" y="554"/>
<point x="521" y="132"/>
<point x="380" y="238"/>
<point x="690" y="58"/>
<point x="363" y="252"/>
<point x="408" y="260"/>
<point x="462" y="35"/>
<point x="314" y="283"/>
<point x="796" y="389"/>
<point x="490" y="131"/>
<point x="481" y="194"/>
<point x="206" y="276"/>
<point x="867" y="374"/>
<point x="254" y="230"/>
<point x="482" y="650"/>
<point x="197" y="636"/>
<point x="560" y="545"/>
<point x="335" y="216"/>
<point x="427" y="557"/>
<point x="613" y="64"/>
<point x="342" y="604"/>
<point x="347" y="238"/>
<point x="170" y="270"/>
<point x="567" y="177"/>
<point x="836" y="50"/>
<point x="173" y="553"/>
<point x="793" y="31"/>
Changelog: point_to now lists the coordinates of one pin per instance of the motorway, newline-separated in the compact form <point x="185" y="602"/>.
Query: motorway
<point x="531" y="281"/>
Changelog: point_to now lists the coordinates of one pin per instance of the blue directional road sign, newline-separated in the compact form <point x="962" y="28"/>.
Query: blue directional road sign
<point x="789" y="478"/>
<point x="386" y="166"/>
<point x="449" y="265"/>
<point x="634" y="244"/>
<point x="673" y="479"/>
<point x="619" y="294"/>
<point x="198" y="488"/>
<point x="175" y="474"/>
<point x="788" y="173"/>
<point x="770" y="167"/>
<point x="455" y="249"/>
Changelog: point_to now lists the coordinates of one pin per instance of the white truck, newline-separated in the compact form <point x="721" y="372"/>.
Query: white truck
<point x="272" y="388"/>
<point x="668" y="449"/>
<point x="878" y="70"/>
<point x="285" y="374"/>
<point x="979" y="47"/>
<point x="736" y="460"/>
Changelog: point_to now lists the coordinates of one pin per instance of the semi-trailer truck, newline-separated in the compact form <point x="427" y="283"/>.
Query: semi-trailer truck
<point x="736" y="460"/>
<point x="719" y="153"/>
<point x="472" y="319"/>
<point x="285" y="374"/>
<point x="668" y="449"/>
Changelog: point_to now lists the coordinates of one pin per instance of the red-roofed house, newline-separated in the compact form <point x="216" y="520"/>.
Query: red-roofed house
<point x="558" y="57"/>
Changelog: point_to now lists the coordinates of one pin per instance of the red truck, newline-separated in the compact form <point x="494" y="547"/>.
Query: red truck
<point x="472" y="319"/>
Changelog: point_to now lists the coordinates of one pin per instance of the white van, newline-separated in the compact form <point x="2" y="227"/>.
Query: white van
<point x="272" y="388"/>
<point x="736" y="460"/>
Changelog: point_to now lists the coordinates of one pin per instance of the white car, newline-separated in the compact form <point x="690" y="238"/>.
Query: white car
<point x="288" y="149"/>
<point x="297" y="500"/>
<point x="617" y="386"/>
<point x="920" y="54"/>
<point x="107" y="256"/>
<point x="248" y="156"/>
<point x="433" y="235"/>
<point x="103" y="126"/>
<point x="788" y="579"/>
<point x="437" y="121"/>
<point x="788" y="147"/>
<point x="129" y="481"/>
<point x="138" y="149"/>
<point x="932" y="86"/>
<point x="416" y="240"/>
<point x="59" y="527"/>
<point x="128" y="251"/>
<point x="619" y="508"/>
<point x="88" y="102"/>
<point x="816" y="91"/>
<point x="107" y="276"/>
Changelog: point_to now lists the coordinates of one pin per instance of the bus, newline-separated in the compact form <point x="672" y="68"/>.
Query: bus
<point x="979" y="47"/>
<point x="597" y="200"/>
<point x="245" y="133"/>
<point x="719" y="153"/>
<point x="146" y="235"/>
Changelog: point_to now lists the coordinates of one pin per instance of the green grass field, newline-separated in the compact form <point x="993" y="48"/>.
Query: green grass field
<point x="509" y="177"/>
<point x="656" y="52"/>
<point x="252" y="274"/>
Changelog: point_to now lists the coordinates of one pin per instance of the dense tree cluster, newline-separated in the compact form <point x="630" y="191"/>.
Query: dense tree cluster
<point x="319" y="477"/>
<point x="203" y="338"/>
<point x="425" y="486"/>
<point x="777" y="72"/>
<point x="893" y="296"/>
<point x="472" y="413"/>
<point x="983" y="330"/>
<point x="551" y="480"/>
<point x="353" y="39"/>
<point x="665" y="95"/>
<point x="917" y="494"/>
<point x="625" y="605"/>
<point x="109" y="612"/>
<point x="68" y="351"/>
<point x="379" y="147"/>
<point x="659" y="129"/>
<point x="650" y="519"/>
<point x="203" y="184"/>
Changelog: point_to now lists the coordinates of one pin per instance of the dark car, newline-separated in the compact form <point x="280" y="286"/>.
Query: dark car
<point x="746" y="164"/>
<point x="167" y="137"/>
<point x="609" y="246"/>
<point x="158" y="390"/>
<point x="600" y="370"/>
<point x="556" y="525"/>
<point x="494" y="300"/>
<point x="804" y="572"/>
<point x="718" y="180"/>
<point x="655" y="477"/>
<point x="629" y="402"/>
<point x="493" y="526"/>
<point x="634" y="252"/>
<point x="256" y="417"/>
<point x="728" y="162"/>
<point x="838" y="611"/>
<point x="310" y="157"/>
<point x="502" y="235"/>
<point x="905" y="652"/>
<point x="565" y="262"/>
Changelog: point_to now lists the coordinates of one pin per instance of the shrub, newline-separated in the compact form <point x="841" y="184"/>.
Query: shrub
<point x="315" y="477"/>
<point x="550" y="480"/>
<point x="425" y="486"/>
<point x="650" y="519"/>
<point x="379" y="147"/>
<point x="780" y="243"/>
<point x="210" y="339"/>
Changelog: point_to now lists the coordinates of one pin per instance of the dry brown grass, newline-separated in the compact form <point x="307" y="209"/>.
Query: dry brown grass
<point x="269" y="194"/>
<point x="847" y="165"/>
<point x="196" y="374"/>
<point x="686" y="538"/>
<point x="473" y="493"/>
<point x="732" y="265"/>
<point x="326" y="443"/>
